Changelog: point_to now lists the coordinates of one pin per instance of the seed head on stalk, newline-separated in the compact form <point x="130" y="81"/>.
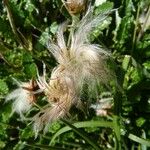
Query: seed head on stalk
<point x="79" y="63"/>
<point x="23" y="97"/>
<point x="75" y="6"/>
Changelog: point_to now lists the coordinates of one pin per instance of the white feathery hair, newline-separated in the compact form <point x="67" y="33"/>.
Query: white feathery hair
<point x="23" y="99"/>
<point x="81" y="59"/>
<point x="60" y="92"/>
<point x="79" y="63"/>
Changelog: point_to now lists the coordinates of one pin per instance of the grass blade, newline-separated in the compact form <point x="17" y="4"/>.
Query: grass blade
<point x="82" y="134"/>
<point x="45" y="147"/>
<point x="139" y="140"/>
<point x="117" y="132"/>
<point x="82" y="125"/>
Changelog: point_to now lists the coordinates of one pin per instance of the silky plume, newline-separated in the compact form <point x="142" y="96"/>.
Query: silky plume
<point x="23" y="97"/>
<point x="79" y="63"/>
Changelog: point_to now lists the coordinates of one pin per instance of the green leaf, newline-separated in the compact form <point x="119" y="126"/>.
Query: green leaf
<point x="140" y="121"/>
<point x="139" y="140"/>
<point x="45" y="36"/>
<point x="117" y="132"/>
<point x="53" y="27"/>
<point x="3" y="87"/>
<point x="147" y="65"/>
<point x="126" y="62"/>
<point x="27" y="58"/>
<point x="19" y="146"/>
<point x="44" y="147"/>
<point x="29" y="6"/>
<point x="107" y="6"/>
<point x="84" y="124"/>
<point x="2" y="144"/>
<point x="31" y="70"/>
<point x="124" y="33"/>
<point x="82" y="134"/>
<point x="27" y="133"/>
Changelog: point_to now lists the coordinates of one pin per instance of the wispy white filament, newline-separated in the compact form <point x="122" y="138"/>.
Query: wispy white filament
<point x="78" y="63"/>
<point x="22" y="98"/>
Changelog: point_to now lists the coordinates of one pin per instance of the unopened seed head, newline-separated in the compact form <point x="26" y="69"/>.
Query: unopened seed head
<point x="75" y="6"/>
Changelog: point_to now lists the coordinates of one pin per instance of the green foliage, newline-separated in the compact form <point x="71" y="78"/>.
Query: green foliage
<point x="3" y="87"/>
<point x="25" y="29"/>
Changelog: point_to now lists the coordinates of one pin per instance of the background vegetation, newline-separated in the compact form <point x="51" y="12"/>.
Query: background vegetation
<point x="26" y="26"/>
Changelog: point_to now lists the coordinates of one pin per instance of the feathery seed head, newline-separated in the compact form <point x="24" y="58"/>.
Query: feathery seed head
<point x="81" y="59"/>
<point x="23" y="97"/>
<point x="79" y="63"/>
<point x="61" y="96"/>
